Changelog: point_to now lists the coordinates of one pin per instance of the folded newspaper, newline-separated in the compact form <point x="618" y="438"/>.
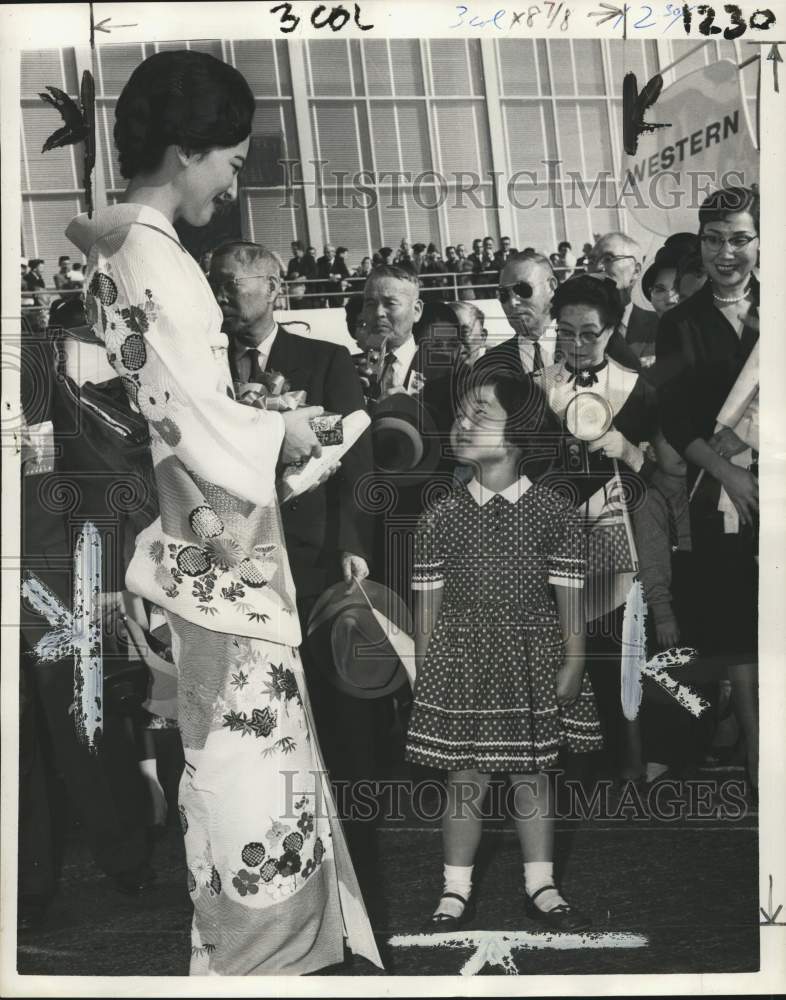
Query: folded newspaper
<point x="298" y="479"/>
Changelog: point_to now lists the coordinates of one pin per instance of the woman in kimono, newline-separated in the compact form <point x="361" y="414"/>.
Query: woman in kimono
<point x="268" y="872"/>
<point x="605" y="478"/>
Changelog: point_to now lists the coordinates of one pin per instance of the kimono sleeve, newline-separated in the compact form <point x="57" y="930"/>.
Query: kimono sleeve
<point x="428" y="571"/>
<point x="567" y="561"/>
<point x="158" y="338"/>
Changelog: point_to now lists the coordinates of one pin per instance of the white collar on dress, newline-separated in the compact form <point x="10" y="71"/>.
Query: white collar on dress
<point x="513" y="493"/>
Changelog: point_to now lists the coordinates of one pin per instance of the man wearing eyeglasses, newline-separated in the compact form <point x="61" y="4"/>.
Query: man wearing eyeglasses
<point x="526" y="288"/>
<point x="619" y="256"/>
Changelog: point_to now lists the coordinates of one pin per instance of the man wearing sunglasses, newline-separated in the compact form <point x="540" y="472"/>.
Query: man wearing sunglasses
<point x="526" y="288"/>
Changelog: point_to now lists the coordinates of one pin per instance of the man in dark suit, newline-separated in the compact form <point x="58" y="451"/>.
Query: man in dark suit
<point x="328" y="535"/>
<point x="300" y="266"/>
<point x="332" y="269"/>
<point x="619" y="256"/>
<point x="505" y="252"/>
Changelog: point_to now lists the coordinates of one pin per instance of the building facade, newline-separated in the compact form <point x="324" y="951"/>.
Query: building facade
<point x="363" y="142"/>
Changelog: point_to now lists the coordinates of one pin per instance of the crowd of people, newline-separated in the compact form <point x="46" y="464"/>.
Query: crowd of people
<point x="506" y="507"/>
<point x="312" y="282"/>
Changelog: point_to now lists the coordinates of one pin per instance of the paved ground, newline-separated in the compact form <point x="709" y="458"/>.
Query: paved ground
<point x="689" y="887"/>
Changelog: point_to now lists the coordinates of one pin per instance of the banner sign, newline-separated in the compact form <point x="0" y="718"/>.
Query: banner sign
<point x="706" y="145"/>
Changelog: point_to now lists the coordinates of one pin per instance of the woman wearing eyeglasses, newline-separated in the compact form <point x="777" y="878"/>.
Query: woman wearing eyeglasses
<point x="596" y="473"/>
<point x="702" y="346"/>
<point x="271" y="883"/>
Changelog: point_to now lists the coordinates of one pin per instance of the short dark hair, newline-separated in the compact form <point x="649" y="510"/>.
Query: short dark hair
<point x="180" y="98"/>
<point x="718" y="206"/>
<point x="419" y="247"/>
<point x="522" y="399"/>
<point x="62" y="258"/>
<point x="394" y="271"/>
<point x="341" y="250"/>
<point x="297" y="245"/>
<point x="596" y="291"/>
<point x="563" y="246"/>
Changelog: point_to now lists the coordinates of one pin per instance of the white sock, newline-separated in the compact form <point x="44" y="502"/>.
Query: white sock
<point x="459" y="880"/>
<point x="536" y="875"/>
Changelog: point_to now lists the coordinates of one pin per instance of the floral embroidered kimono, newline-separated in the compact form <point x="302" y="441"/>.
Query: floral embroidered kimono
<point x="273" y="888"/>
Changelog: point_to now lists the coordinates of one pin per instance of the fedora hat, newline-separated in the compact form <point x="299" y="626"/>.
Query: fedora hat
<point x="355" y="634"/>
<point x="405" y="438"/>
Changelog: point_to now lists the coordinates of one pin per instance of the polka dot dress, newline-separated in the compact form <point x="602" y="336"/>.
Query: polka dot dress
<point x="486" y="694"/>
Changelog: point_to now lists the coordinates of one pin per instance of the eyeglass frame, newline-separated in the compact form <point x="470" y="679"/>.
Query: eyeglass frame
<point x="721" y="241"/>
<point x="586" y="337"/>
<point x="609" y="258"/>
<point x="233" y="282"/>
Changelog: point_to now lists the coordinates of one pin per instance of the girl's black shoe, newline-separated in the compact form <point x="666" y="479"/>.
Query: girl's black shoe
<point x="561" y="918"/>
<point x="443" y="923"/>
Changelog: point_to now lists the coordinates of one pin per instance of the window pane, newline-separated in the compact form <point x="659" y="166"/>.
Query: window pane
<point x="597" y="138"/>
<point x="255" y="61"/>
<point x="413" y="130"/>
<point x="407" y="69"/>
<point x="51" y="216"/>
<point x="534" y="226"/>
<point x="273" y="117"/>
<point x="117" y="63"/>
<point x="53" y="170"/>
<point x="452" y="69"/>
<point x="517" y="66"/>
<point x="569" y="141"/>
<point x="273" y="218"/>
<point x="562" y="66"/>
<point x="543" y="67"/>
<point x="44" y="68"/>
<point x="348" y="227"/>
<point x="529" y="131"/>
<point x="462" y="133"/>
<point x="329" y="59"/>
<point x="589" y="66"/>
<point x="467" y="221"/>
<point x="375" y="52"/>
<point x="385" y="136"/>
<point x="337" y="135"/>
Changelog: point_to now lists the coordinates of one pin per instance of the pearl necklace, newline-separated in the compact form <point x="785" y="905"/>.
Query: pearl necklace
<point x="738" y="298"/>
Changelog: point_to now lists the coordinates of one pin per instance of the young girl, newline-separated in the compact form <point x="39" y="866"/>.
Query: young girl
<point x="501" y="680"/>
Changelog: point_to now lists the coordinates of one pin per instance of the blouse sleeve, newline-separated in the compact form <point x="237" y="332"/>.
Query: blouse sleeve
<point x="567" y="560"/>
<point x="150" y="308"/>
<point x="428" y="571"/>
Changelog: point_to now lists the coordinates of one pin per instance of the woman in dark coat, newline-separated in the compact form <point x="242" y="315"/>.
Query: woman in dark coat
<point x="701" y="349"/>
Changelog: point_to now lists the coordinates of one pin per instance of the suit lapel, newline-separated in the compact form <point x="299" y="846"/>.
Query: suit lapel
<point x="285" y="357"/>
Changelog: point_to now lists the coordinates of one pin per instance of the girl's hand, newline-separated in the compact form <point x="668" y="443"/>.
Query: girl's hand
<point x="613" y="444"/>
<point x="667" y="633"/>
<point x="569" y="678"/>
<point x="743" y="490"/>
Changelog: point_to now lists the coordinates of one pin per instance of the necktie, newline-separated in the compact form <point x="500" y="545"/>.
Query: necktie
<point x="537" y="363"/>
<point x="254" y="368"/>
<point x="386" y="378"/>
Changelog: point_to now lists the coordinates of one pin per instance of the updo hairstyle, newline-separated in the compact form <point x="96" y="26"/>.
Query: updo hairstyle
<point x="180" y="98"/>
